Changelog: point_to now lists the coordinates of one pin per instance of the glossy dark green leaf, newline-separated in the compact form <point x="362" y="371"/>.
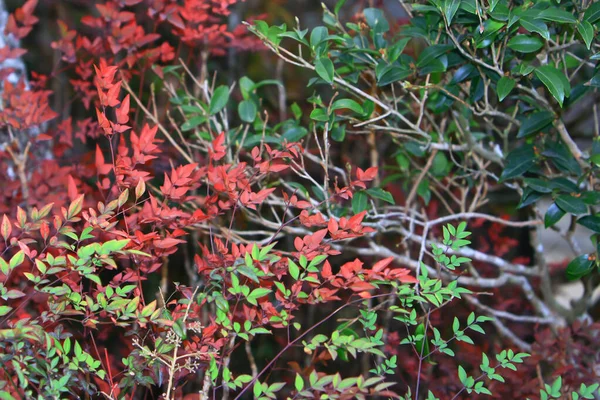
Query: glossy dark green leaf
<point x="535" y="123"/>
<point x="592" y="222"/>
<point x="294" y="134"/>
<point x="338" y="133"/>
<point x="552" y="79"/>
<point x="586" y="30"/>
<point x="469" y="6"/>
<point x="554" y="14"/>
<point x="319" y="114"/>
<point x="393" y="74"/>
<point x="396" y="49"/>
<point x="518" y="161"/>
<point x="592" y="13"/>
<point x="381" y="194"/>
<point x="591" y="198"/>
<point x="347" y="103"/>
<point x="553" y="215"/>
<point x="561" y="157"/>
<point x="359" y="202"/>
<point x="450" y="7"/>
<point x="570" y="204"/>
<point x="179" y="328"/>
<point x="525" y="43"/>
<point x="439" y="64"/>
<point x="529" y="197"/>
<point x="563" y="184"/>
<point x="432" y="52"/>
<point x="465" y="72"/>
<point x="219" y="99"/>
<point x="504" y="87"/>
<point x="537" y="26"/>
<point x="539" y="185"/>
<point x="579" y="267"/>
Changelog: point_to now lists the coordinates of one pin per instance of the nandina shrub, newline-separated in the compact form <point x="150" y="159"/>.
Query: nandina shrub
<point x="207" y="248"/>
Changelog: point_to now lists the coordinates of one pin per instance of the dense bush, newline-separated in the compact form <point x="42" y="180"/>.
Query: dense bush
<point x="174" y="231"/>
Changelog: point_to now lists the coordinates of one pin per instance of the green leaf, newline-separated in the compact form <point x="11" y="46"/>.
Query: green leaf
<point x="553" y="79"/>
<point x="347" y="103"/>
<point x="592" y="222"/>
<point x="317" y="35"/>
<point x="219" y="99"/>
<point x="178" y="327"/>
<point x="586" y="30"/>
<point x="579" y="266"/>
<point x="293" y="269"/>
<point x="294" y="134"/>
<point x="246" y="86"/>
<point x="338" y="133"/>
<point x="113" y="246"/>
<point x="592" y="14"/>
<point x="336" y="10"/>
<point x="319" y="114"/>
<point x="4" y="310"/>
<point x="248" y="272"/>
<point x="539" y="185"/>
<point x="553" y="215"/>
<point x="324" y="68"/>
<point x="376" y="20"/>
<point x="359" y="202"/>
<point x="432" y="53"/>
<point x="504" y="87"/>
<point x="571" y="204"/>
<point x="381" y="194"/>
<point x="462" y="375"/>
<point x="259" y="292"/>
<point x="450" y="8"/>
<point x="299" y="383"/>
<point x="393" y="74"/>
<point x="247" y="110"/>
<point x="533" y="25"/>
<point x="518" y="161"/>
<point x="394" y="51"/>
<point x="17" y="259"/>
<point x="557" y="15"/>
<point x="465" y="72"/>
<point x="440" y="164"/>
<point x="534" y="123"/>
<point x="525" y="43"/>
<point x="4" y="266"/>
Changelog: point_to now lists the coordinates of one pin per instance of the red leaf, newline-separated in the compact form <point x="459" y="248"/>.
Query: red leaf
<point x="167" y="243"/>
<point x="72" y="188"/>
<point x="360" y="286"/>
<point x="123" y="111"/>
<point x="368" y="175"/>
<point x="103" y="122"/>
<point x="326" y="271"/>
<point x="218" y="149"/>
<point x="380" y="265"/>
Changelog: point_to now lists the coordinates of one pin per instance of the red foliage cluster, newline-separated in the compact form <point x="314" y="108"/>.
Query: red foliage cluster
<point x="130" y="190"/>
<point x="103" y="197"/>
